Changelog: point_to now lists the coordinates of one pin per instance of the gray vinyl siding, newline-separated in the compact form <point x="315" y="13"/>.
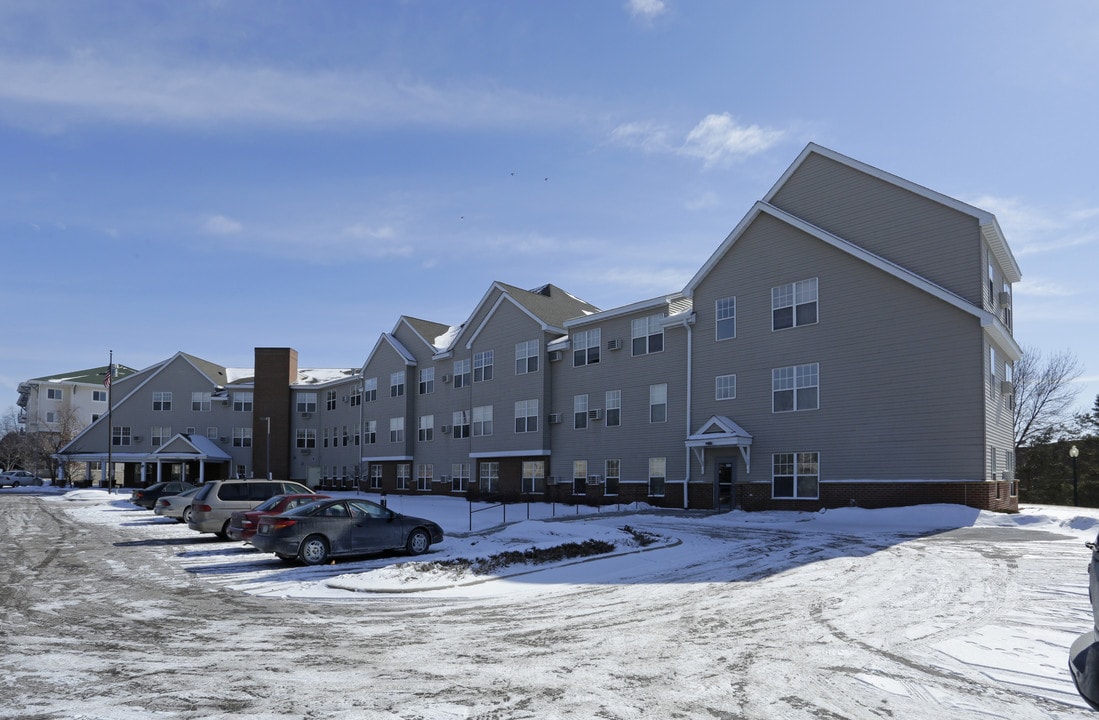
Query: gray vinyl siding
<point x="344" y="415"/>
<point x="930" y="239"/>
<point x="999" y="420"/>
<point x="382" y="364"/>
<point x="636" y="439"/>
<point x="901" y="372"/>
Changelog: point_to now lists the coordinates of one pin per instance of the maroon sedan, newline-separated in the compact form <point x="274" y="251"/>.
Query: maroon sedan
<point x="243" y="524"/>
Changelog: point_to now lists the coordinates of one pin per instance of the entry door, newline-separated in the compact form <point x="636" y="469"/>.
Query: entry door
<point x="725" y="485"/>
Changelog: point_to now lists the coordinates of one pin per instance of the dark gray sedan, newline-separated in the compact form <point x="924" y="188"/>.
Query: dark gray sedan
<point x="315" y="532"/>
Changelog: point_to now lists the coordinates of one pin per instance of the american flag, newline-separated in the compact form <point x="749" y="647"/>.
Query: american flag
<point x="107" y="380"/>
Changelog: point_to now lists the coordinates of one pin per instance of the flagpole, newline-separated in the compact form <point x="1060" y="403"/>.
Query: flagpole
<point x="110" y="422"/>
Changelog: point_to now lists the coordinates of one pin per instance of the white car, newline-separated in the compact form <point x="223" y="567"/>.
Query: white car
<point x="19" y="478"/>
<point x="177" y="507"/>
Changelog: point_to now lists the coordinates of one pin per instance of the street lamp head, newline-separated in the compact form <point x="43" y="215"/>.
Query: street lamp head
<point x="1074" y="452"/>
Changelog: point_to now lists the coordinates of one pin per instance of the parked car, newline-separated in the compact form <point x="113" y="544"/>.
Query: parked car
<point x="177" y="507"/>
<point x="218" y="499"/>
<point x="19" y="478"/>
<point x="315" y="532"/>
<point x="147" y="497"/>
<point x="1083" y="656"/>
<point x="243" y="523"/>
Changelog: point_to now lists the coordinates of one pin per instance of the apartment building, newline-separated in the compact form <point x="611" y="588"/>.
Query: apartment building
<point x="848" y="343"/>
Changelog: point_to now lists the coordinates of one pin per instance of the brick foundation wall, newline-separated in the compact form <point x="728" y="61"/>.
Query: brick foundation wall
<point x="994" y="496"/>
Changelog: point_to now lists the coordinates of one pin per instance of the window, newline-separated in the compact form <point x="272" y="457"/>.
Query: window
<point x="396" y="429"/>
<point x="329" y="399"/>
<point x="306" y="402"/>
<point x="612" y="477"/>
<point x="482" y="366"/>
<point x="795" y="388"/>
<point x="526" y="357"/>
<point x="648" y="335"/>
<point x="427" y="381"/>
<point x="424" y="473"/>
<point x="345" y="435"/>
<point x="306" y="438"/>
<point x="482" y="420"/>
<point x="162" y="401"/>
<point x="212" y="432"/>
<point x="460" y="421"/>
<point x="1005" y="308"/>
<point x="490" y="477"/>
<point x="725" y="387"/>
<point x="579" y="477"/>
<point x="579" y="411"/>
<point x="121" y="436"/>
<point x="534" y="477"/>
<point x="57" y="394"/>
<point x="794" y="304"/>
<point x="426" y="430"/>
<point x="461" y="373"/>
<point x="992" y="371"/>
<point x="356" y="396"/>
<point x="51" y="417"/>
<point x="325" y="438"/>
<point x="459" y="477"/>
<point x="375" y="476"/>
<point x="404" y="471"/>
<point x="795" y="476"/>
<point x="585" y="347"/>
<point x="991" y="284"/>
<point x="725" y="324"/>
<point x="370" y="433"/>
<point x="613" y="408"/>
<point x="158" y="435"/>
<point x="242" y="437"/>
<point x="526" y="416"/>
<point x="200" y="402"/>
<point x="99" y="396"/>
<point x="396" y="384"/>
<point x="658" y="468"/>
<point x="658" y="403"/>
<point x="370" y="389"/>
<point x="242" y="402"/>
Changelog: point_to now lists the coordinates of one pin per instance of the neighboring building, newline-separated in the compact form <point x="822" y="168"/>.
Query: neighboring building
<point x="848" y="343"/>
<point x="66" y="401"/>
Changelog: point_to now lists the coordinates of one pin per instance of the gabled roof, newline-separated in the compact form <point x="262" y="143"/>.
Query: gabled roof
<point x="387" y="339"/>
<point x="195" y="447"/>
<point x="429" y="332"/>
<point x="674" y="304"/>
<point x="988" y="320"/>
<point x="548" y="306"/>
<point x="990" y="227"/>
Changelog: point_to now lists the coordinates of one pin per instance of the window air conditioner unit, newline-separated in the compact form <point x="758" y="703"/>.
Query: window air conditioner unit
<point x="224" y="439"/>
<point x="1005" y="299"/>
<point x="137" y="438"/>
<point x="346" y="398"/>
<point x="306" y="415"/>
<point x="615" y="344"/>
<point x="554" y="418"/>
<point x="444" y="429"/>
<point x="551" y="480"/>
<point x="595" y="479"/>
<point x="556" y="355"/>
<point x="596" y="414"/>
<point x="306" y="451"/>
<point x="1007" y="388"/>
<point x="446" y="378"/>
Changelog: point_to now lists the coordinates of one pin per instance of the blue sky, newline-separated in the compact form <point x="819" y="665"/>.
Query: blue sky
<point x="215" y="176"/>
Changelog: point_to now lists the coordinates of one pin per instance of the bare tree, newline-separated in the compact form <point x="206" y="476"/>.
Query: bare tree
<point x="1044" y="395"/>
<point x="13" y="443"/>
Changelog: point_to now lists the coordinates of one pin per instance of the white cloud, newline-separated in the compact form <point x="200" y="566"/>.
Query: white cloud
<point x="719" y="138"/>
<point x="220" y="225"/>
<point x="716" y="139"/>
<point x="53" y="93"/>
<point x="646" y="9"/>
<point x="1032" y="230"/>
<point x="1042" y="288"/>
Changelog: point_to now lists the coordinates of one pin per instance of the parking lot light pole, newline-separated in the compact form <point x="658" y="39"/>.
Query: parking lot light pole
<point x="1074" y="452"/>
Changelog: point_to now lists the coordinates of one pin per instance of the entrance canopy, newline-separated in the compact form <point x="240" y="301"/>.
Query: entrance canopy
<point x="720" y="432"/>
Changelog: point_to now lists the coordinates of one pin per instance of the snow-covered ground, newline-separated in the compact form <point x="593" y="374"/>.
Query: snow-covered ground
<point x="926" y="612"/>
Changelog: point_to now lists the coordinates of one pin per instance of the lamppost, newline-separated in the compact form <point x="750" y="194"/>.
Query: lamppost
<point x="267" y="445"/>
<point x="1074" y="453"/>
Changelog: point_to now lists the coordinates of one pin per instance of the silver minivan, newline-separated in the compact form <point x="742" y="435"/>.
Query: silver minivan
<point x="215" y="503"/>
